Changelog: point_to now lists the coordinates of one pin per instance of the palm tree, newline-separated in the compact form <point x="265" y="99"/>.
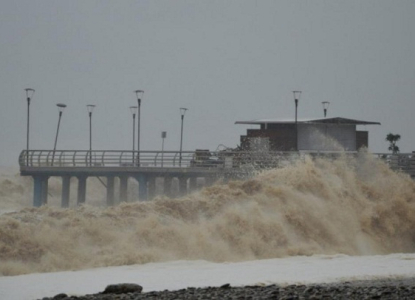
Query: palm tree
<point x="392" y="139"/>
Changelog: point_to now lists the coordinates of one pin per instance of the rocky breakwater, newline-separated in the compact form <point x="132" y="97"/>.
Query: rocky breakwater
<point x="373" y="289"/>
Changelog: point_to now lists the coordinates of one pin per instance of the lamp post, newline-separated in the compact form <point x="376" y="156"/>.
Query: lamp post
<point x="139" y="94"/>
<point x="133" y="110"/>
<point x="297" y="95"/>
<point x="29" y="95"/>
<point x="163" y="136"/>
<point x="182" y="112"/>
<point x="61" y="108"/>
<point x="325" y="107"/>
<point x="90" y="108"/>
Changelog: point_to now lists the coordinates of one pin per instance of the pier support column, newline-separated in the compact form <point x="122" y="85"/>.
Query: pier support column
<point x="81" y="189"/>
<point x="110" y="190"/>
<point x="142" y="188"/>
<point x="151" y="187"/>
<point x="45" y="190"/>
<point x="66" y="183"/>
<point x="123" y="189"/>
<point x="210" y="180"/>
<point x="226" y="177"/>
<point x="37" y="191"/>
<point x="192" y="184"/>
<point x="182" y="186"/>
<point x="167" y="186"/>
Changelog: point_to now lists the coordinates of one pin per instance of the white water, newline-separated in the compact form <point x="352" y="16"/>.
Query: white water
<point x="181" y="274"/>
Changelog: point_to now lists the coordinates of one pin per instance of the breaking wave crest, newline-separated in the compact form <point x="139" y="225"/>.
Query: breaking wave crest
<point x="354" y="206"/>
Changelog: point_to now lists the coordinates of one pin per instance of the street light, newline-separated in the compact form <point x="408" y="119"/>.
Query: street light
<point x="163" y="136"/>
<point x="139" y="94"/>
<point x="297" y="95"/>
<point x="61" y="107"/>
<point x="182" y="112"/>
<point x="29" y="95"/>
<point x="90" y="108"/>
<point x="133" y="110"/>
<point x="325" y="107"/>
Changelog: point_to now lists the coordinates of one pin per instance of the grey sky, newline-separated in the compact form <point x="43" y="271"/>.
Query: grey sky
<point x="224" y="60"/>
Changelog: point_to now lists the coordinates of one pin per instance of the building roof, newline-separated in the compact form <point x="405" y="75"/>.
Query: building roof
<point x="337" y="120"/>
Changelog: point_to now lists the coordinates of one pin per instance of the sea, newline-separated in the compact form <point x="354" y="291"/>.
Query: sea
<point x="347" y="206"/>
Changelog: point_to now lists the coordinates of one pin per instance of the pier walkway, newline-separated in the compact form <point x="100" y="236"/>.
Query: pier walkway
<point x="146" y="166"/>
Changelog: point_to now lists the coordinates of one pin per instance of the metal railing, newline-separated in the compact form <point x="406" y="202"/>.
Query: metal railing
<point x="104" y="158"/>
<point x="188" y="159"/>
<point x="404" y="162"/>
<point x="151" y="159"/>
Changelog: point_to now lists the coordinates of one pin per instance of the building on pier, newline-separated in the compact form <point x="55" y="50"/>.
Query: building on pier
<point x="328" y="134"/>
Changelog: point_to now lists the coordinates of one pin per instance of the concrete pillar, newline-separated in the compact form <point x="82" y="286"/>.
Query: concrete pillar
<point x="123" y="188"/>
<point x="66" y="183"/>
<point x="226" y="177"/>
<point x="142" y="188"/>
<point x="151" y="187"/>
<point x="81" y="189"/>
<point x="192" y="184"/>
<point x="182" y="186"/>
<point x="167" y="186"/>
<point x="210" y="180"/>
<point x="37" y="191"/>
<point x="45" y="190"/>
<point x="110" y="190"/>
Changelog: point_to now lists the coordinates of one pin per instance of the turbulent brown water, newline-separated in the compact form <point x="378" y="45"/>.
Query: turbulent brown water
<point x="355" y="206"/>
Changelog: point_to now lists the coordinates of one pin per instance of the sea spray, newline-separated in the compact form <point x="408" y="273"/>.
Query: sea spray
<point x="347" y="205"/>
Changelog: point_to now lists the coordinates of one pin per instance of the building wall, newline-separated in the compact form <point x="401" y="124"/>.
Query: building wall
<point x="326" y="137"/>
<point x="280" y="139"/>
<point x="311" y="137"/>
<point x="362" y="139"/>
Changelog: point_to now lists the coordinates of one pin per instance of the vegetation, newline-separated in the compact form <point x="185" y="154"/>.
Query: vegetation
<point x="392" y="139"/>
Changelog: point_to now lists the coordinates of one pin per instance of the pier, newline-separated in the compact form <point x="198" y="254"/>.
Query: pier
<point x="144" y="166"/>
<point x="187" y="167"/>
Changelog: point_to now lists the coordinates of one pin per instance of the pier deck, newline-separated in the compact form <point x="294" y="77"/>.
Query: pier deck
<point x="146" y="166"/>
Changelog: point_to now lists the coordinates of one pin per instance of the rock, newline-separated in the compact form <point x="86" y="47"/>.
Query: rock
<point x="60" y="296"/>
<point x="123" y="288"/>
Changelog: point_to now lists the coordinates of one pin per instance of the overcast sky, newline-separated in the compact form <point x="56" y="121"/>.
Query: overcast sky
<point x="225" y="61"/>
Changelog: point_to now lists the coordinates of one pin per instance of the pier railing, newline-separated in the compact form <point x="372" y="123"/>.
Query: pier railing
<point x="151" y="159"/>
<point x="404" y="162"/>
<point x="104" y="158"/>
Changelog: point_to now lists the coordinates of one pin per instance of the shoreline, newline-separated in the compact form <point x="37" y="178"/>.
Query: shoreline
<point x="400" y="288"/>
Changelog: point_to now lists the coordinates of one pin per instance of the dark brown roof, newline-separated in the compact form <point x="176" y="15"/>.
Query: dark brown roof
<point x="337" y="120"/>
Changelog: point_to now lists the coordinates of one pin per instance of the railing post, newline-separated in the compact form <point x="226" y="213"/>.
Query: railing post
<point x="102" y="158"/>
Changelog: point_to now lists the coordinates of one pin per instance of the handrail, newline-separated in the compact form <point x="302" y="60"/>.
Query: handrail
<point x="192" y="159"/>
